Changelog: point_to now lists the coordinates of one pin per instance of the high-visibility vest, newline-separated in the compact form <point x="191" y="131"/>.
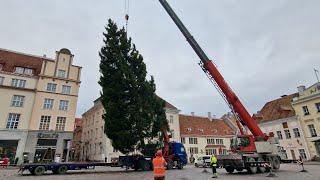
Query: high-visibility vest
<point x="213" y="161"/>
<point x="159" y="167"/>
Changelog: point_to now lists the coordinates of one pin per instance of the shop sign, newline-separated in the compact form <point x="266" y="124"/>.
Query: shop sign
<point x="48" y="135"/>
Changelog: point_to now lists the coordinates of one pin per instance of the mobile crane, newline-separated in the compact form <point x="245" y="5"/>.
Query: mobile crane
<point x="248" y="151"/>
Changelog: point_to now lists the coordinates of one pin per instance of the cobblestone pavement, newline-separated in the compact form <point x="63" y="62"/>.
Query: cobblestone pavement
<point x="287" y="171"/>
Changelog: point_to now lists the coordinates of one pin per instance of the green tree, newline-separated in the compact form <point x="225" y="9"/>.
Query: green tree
<point x="133" y="113"/>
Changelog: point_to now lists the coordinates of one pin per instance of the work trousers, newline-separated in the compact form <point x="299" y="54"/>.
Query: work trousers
<point x="214" y="170"/>
<point x="159" y="178"/>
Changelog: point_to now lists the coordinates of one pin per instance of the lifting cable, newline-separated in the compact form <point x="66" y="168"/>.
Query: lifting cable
<point x="126" y="12"/>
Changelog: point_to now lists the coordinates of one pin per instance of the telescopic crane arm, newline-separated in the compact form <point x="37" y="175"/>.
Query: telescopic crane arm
<point x="214" y="75"/>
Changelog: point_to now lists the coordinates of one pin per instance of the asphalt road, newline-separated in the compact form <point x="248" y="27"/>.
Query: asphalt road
<point x="287" y="171"/>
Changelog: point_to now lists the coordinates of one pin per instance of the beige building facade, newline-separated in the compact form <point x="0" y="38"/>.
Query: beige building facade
<point x="96" y="146"/>
<point x="278" y="117"/>
<point x="38" y="104"/>
<point x="204" y="135"/>
<point x="307" y="107"/>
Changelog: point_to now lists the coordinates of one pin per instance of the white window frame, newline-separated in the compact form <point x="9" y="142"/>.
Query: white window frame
<point x="305" y="110"/>
<point x="171" y="119"/>
<point x="51" y="87"/>
<point x="66" y="89"/>
<point x="61" y="123"/>
<point x="219" y="141"/>
<point x="296" y="132"/>
<point x="17" y="101"/>
<point x="193" y="140"/>
<point x="312" y="130"/>
<point x="194" y="150"/>
<point x="13" y="121"/>
<point x="19" y="70"/>
<point x="279" y="134"/>
<point x="44" y="123"/>
<point x="302" y="153"/>
<point x="211" y="141"/>
<point x="64" y="105"/>
<point x="287" y="133"/>
<point x="316" y="104"/>
<point x="1" y="80"/>
<point x="23" y="70"/>
<point x="183" y="140"/>
<point x="61" y="73"/>
<point x="48" y="103"/>
<point x="20" y="83"/>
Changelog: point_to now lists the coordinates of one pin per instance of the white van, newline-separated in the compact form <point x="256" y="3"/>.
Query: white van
<point x="202" y="161"/>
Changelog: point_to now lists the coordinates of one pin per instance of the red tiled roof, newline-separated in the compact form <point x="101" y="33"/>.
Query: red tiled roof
<point x="276" y="109"/>
<point x="203" y="126"/>
<point x="10" y="60"/>
<point x="170" y="106"/>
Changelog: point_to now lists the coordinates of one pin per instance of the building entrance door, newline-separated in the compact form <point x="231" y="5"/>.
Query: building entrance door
<point x="8" y="148"/>
<point x="293" y="155"/>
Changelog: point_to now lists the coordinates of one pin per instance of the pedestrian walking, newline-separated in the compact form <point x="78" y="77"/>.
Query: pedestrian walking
<point x="159" y="164"/>
<point x="213" y="164"/>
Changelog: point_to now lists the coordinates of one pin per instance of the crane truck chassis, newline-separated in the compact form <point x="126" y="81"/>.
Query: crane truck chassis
<point x="248" y="151"/>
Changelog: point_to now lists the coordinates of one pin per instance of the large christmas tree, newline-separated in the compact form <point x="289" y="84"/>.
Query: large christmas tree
<point x="134" y="114"/>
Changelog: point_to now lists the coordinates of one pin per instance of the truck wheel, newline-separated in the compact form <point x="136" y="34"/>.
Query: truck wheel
<point x="196" y="165"/>
<point x="39" y="170"/>
<point x="261" y="169"/>
<point x="169" y="164"/>
<point x="180" y="166"/>
<point x="145" y="166"/>
<point x="252" y="169"/>
<point x="229" y="169"/>
<point x="276" y="163"/>
<point x="62" y="169"/>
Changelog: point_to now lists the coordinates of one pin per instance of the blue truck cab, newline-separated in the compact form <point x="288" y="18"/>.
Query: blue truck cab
<point x="178" y="154"/>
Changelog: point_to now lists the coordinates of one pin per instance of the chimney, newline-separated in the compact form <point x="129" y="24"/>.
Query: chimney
<point x="301" y="88"/>
<point x="192" y="113"/>
<point x="209" y="116"/>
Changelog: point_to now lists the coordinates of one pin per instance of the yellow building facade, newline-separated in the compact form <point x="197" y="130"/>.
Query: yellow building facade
<point x="307" y="108"/>
<point x="38" y="103"/>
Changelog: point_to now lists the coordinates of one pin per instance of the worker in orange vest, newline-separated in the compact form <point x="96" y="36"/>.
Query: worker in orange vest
<point x="159" y="165"/>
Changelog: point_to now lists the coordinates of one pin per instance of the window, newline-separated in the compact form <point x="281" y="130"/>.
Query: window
<point x="44" y="122"/>
<point x="285" y="125"/>
<point x="312" y="130"/>
<point x="61" y="123"/>
<point x="172" y="133"/>
<point x="1" y="80"/>
<point x="296" y="132"/>
<point x="279" y="134"/>
<point x="183" y="140"/>
<point x="48" y="103"/>
<point x="305" y="110"/>
<point x="193" y="141"/>
<point x="18" y="83"/>
<point x="171" y="119"/>
<point x="193" y="150"/>
<point x="224" y="151"/>
<point x="61" y="73"/>
<point x="287" y="133"/>
<point x="23" y="70"/>
<point x="317" y="104"/>
<point x="211" y="151"/>
<point x="63" y="106"/>
<point x="66" y="89"/>
<point x="17" y="101"/>
<point x="210" y="141"/>
<point x="13" y="121"/>
<point x="302" y="154"/>
<point x="219" y="141"/>
<point x="51" y="87"/>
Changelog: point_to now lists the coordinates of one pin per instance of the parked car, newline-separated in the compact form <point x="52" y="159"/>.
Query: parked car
<point x="202" y="161"/>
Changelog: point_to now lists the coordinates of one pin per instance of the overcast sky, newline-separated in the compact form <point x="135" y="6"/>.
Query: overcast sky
<point x="264" y="49"/>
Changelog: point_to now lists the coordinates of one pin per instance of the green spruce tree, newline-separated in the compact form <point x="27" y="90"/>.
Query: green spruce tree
<point x="134" y="114"/>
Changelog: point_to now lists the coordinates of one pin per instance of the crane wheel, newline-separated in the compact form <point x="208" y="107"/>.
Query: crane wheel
<point x="276" y="163"/>
<point x="261" y="169"/>
<point x="62" y="169"/>
<point x="252" y="169"/>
